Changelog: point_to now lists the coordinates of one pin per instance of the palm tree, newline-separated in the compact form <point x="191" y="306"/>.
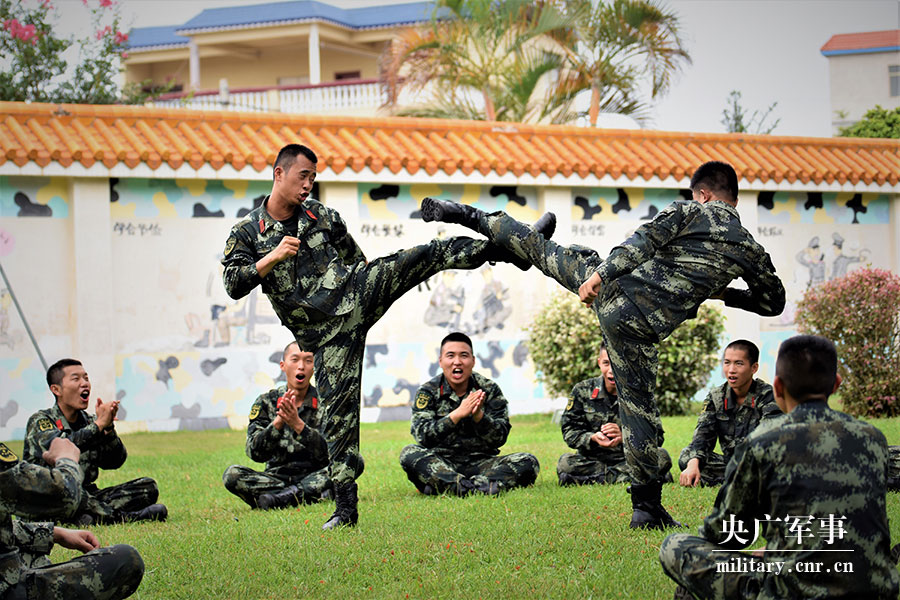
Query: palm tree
<point x="481" y="59"/>
<point x="612" y="47"/>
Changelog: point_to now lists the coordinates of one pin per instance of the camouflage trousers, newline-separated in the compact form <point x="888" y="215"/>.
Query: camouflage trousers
<point x="247" y="484"/>
<point x="424" y="466"/>
<point x="599" y="471"/>
<point x="104" y="574"/>
<point x="339" y="343"/>
<point x="630" y="340"/>
<point x="112" y="501"/>
<point x="713" y="470"/>
<point x="691" y="561"/>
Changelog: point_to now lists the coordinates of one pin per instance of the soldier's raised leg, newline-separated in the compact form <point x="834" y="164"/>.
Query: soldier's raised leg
<point x="133" y="500"/>
<point x="499" y="473"/>
<point x="570" y="266"/>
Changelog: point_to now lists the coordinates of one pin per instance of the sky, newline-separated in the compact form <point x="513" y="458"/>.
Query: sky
<point x="766" y="49"/>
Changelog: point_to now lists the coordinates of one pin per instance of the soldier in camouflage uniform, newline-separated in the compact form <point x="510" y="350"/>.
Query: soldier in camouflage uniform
<point x="326" y="293"/>
<point x="100" y="448"/>
<point x="730" y="413"/>
<point x="645" y="288"/>
<point x="813" y="481"/>
<point x="285" y="433"/>
<point x="34" y="492"/>
<point x="459" y="421"/>
<point x="590" y="425"/>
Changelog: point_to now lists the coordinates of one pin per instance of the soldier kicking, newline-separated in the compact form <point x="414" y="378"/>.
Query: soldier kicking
<point x="645" y="288"/>
<point x="328" y="295"/>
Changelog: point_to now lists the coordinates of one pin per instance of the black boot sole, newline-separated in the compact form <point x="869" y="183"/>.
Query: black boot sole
<point x="432" y="210"/>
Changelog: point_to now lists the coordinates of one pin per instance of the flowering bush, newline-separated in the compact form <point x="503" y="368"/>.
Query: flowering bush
<point x="860" y="313"/>
<point x="564" y="340"/>
<point x="34" y="68"/>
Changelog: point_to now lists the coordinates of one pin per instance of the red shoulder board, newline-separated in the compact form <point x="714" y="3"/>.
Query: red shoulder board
<point x="311" y="216"/>
<point x="59" y="424"/>
<point x="595" y="393"/>
<point x="262" y="226"/>
<point x="315" y="403"/>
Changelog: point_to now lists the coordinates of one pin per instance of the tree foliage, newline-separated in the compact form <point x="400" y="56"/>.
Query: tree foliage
<point x="877" y="123"/>
<point x="525" y="61"/>
<point x="860" y="313"/>
<point x="613" y="48"/>
<point x="564" y="340"/>
<point x="33" y="56"/>
<point x="736" y="119"/>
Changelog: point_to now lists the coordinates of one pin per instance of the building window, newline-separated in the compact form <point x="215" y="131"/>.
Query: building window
<point x="894" y="73"/>
<point x="347" y="75"/>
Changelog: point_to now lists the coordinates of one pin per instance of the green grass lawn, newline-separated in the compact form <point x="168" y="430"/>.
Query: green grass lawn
<point x="540" y="542"/>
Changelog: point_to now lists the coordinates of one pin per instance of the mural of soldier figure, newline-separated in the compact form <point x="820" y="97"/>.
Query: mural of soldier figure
<point x="813" y="259"/>
<point x="843" y="261"/>
<point x="447" y="301"/>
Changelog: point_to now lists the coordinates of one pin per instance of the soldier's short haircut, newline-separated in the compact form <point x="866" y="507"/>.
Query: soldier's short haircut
<point x="807" y="365"/>
<point x="718" y="177"/>
<point x="603" y="348"/>
<point x="288" y="154"/>
<point x="55" y="372"/>
<point x="456" y="336"/>
<point x="288" y="347"/>
<point x="748" y="347"/>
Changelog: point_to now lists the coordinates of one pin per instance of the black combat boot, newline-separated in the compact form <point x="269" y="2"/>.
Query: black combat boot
<point x="649" y="513"/>
<point x="345" y="513"/>
<point x="154" y="512"/>
<point x="491" y="488"/>
<point x="289" y="496"/>
<point x="445" y="211"/>
<point x="464" y="487"/>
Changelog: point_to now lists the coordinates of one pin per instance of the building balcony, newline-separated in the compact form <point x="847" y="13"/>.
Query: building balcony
<point x="356" y="96"/>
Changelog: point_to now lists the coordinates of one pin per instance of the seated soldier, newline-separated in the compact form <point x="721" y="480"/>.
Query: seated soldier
<point x="459" y="421"/>
<point x="285" y="433"/>
<point x="34" y="492"/>
<point x="100" y="448"/>
<point x="590" y="424"/>
<point x="730" y="413"/>
<point x="813" y="483"/>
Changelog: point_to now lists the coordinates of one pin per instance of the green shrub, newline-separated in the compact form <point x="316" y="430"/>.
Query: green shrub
<point x="860" y="313"/>
<point x="564" y="340"/>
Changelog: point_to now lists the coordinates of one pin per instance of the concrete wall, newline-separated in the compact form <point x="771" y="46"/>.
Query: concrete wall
<point x="125" y="275"/>
<point x="858" y="82"/>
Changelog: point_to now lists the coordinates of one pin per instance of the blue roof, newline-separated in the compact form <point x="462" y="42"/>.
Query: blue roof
<point x="143" y="37"/>
<point x="307" y="10"/>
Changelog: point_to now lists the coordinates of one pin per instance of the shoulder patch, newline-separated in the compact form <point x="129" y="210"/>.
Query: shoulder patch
<point x="570" y="404"/>
<point x="422" y="400"/>
<point x="254" y="411"/>
<point x="229" y="245"/>
<point x="45" y="424"/>
<point x="6" y="455"/>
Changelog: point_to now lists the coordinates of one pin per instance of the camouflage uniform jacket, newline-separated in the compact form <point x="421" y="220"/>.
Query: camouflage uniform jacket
<point x="284" y="452"/>
<point x="432" y="428"/>
<point x="812" y="462"/>
<point x="31" y="492"/>
<point x="99" y="450"/>
<point x="310" y="287"/>
<point x="689" y="252"/>
<point x="724" y="420"/>
<point x="590" y="407"/>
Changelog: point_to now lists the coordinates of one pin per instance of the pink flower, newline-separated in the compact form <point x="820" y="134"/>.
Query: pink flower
<point x="121" y="38"/>
<point x="124" y="55"/>
<point x="84" y="2"/>
<point x="103" y="32"/>
<point x="46" y="4"/>
<point x="106" y="3"/>
<point x="21" y="32"/>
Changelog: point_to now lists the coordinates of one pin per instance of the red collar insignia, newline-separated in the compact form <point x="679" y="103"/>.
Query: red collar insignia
<point x="311" y="216"/>
<point x="262" y="226"/>
<point x="59" y="424"/>
<point x="595" y="393"/>
<point x="315" y="403"/>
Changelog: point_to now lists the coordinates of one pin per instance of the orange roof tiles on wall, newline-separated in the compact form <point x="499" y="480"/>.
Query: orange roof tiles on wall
<point x="231" y="144"/>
